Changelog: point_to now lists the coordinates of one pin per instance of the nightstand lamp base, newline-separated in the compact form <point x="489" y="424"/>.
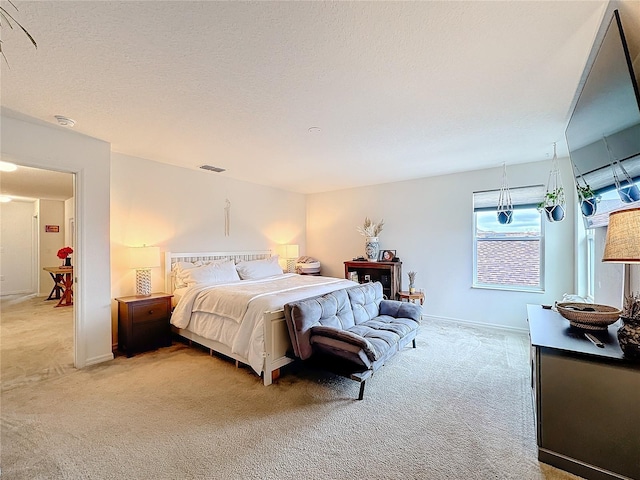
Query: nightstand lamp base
<point x="143" y="282"/>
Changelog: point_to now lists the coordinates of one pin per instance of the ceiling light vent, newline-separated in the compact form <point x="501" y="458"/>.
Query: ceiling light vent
<point x="212" y="168"/>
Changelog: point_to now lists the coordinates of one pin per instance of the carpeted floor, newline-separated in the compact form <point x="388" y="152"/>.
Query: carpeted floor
<point x="457" y="407"/>
<point x="36" y="340"/>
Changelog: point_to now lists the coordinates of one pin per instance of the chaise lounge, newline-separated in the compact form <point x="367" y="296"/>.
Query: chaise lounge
<point x="355" y="325"/>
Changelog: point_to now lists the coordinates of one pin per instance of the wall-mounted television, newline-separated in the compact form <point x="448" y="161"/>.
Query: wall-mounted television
<point x="605" y="124"/>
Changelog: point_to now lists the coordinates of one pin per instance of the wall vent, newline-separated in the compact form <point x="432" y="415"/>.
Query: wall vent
<point x="212" y="168"/>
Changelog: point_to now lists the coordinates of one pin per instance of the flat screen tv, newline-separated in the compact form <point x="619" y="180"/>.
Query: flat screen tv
<point x="604" y="128"/>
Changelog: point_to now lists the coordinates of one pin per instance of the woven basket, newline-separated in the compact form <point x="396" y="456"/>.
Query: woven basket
<point x="593" y="317"/>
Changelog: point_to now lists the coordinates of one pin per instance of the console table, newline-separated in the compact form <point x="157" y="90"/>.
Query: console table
<point x="586" y="399"/>
<point x="62" y="285"/>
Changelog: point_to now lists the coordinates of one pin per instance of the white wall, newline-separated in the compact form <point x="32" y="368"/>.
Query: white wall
<point x="50" y="212"/>
<point x="38" y="145"/>
<point x="16" y="248"/>
<point x="182" y="210"/>
<point x="429" y="222"/>
<point x="69" y="216"/>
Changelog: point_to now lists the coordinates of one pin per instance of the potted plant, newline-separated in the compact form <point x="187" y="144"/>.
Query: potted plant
<point x="629" y="333"/>
<point x="370" y="230"/>
<point x="63" y="254"/>
<point x="553" y="204"/>
<point x="587" y="199"/>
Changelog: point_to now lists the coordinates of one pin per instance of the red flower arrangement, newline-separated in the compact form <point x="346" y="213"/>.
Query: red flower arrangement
<point x="64" y="252"/>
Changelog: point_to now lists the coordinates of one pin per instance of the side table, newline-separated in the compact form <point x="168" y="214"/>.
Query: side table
<point x="143" y="322"/>
<point x="411" y="297"/>
<point x="62" y="285"/>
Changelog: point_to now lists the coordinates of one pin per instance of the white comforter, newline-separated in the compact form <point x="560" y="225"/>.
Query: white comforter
<point x="232" y="313"/>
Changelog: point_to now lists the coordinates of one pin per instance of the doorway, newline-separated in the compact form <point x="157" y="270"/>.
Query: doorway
<point x="37" y="335"/>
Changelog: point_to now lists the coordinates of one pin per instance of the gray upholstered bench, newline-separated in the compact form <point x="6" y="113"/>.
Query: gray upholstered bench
<point x="355" y="325"/>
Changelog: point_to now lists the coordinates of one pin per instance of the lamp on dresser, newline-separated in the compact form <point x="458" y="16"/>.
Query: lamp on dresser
<point x="143" y="259"/>
<point x="623" y="246"/>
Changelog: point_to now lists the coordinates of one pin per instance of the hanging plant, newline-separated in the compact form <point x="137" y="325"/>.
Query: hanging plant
<point x="505" y="205"/>
<point x="587" y="198"/>
<point x="626" y="187"/>
<point x="554" y="202"/>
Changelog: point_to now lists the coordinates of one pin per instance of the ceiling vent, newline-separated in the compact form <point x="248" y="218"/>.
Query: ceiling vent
<point x="212" y="168"/>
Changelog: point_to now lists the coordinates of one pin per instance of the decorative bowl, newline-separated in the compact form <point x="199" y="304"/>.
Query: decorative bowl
<point x="589" y="316"/>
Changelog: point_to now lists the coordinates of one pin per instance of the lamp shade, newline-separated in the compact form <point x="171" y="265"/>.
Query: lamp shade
<point x="144" y="257"/>
<point x="289" y="251"/>
<point x="623" y="237"/>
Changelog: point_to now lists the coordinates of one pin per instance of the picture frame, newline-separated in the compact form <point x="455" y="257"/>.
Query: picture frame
<point x="386" y="255"/>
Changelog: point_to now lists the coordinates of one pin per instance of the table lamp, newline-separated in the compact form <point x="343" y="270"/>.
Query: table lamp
<point x="623" y="246"/>
<point x="143" y="259"/>
<point x="623" y="237"/>
<point x="290" y="253"/>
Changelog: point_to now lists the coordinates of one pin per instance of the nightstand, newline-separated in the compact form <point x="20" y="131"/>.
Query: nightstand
<point x="143" y="322"/>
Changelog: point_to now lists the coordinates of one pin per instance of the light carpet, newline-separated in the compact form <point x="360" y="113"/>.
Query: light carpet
<point x="457" y="407"/>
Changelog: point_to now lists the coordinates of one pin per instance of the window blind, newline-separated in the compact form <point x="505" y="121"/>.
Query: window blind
<point x="521" y="197"/>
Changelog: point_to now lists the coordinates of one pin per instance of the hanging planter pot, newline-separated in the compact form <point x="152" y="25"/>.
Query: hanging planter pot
<point x="555" y="213"/>
<point x="588" y="200"/>
<point x="505" y="217"/>
<point x="627" y="189"/>
<point x="554" y="201"/>
<point x="505" y="205"/>
<point x="629" y="194"/>
<point x="588" y="206"/>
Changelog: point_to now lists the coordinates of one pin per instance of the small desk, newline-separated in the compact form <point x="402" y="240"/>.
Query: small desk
<point x="62" y="285"/>
<point x="412" y="296"/>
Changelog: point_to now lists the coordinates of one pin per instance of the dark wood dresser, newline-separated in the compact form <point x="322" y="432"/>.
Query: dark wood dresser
<point x="389" y="274"/>
<point x="586" y="399"/>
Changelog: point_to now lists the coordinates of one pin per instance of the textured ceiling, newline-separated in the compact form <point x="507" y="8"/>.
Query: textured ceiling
<point x="399" y="89"/>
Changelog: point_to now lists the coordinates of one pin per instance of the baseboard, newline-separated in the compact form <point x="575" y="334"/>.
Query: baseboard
<point x="491" y="326"/>
<point x="102" y="358"/>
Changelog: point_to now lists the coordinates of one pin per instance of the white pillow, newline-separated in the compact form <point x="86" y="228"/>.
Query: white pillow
<point x="210" y="274"/>
<point x="179" y="268"/>
<point x="256" y="269"/>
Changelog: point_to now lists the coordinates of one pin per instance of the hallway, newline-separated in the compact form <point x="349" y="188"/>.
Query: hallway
<point x="36" y="340"/>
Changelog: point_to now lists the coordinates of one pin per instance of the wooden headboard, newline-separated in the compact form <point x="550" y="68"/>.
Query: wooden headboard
<point x="170" y="258"/>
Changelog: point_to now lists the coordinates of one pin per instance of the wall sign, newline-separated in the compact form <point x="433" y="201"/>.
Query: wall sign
<point x="52" y="228"/>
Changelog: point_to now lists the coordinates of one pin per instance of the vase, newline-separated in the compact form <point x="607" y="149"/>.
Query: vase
<point x="412" y="289"/>
<point x="629" y="337"/>
<point x="67" y="262"/>
<point x="372" y="248"/>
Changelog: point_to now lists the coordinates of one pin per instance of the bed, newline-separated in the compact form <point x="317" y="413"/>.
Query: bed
<point x="240" y="317"/>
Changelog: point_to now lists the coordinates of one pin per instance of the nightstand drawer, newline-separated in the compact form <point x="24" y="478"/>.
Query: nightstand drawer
<point x="149" y="311"/>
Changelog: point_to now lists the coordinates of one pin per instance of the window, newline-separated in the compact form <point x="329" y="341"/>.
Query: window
<point x="509" y="256"/>
<point x="591" y="256"/>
